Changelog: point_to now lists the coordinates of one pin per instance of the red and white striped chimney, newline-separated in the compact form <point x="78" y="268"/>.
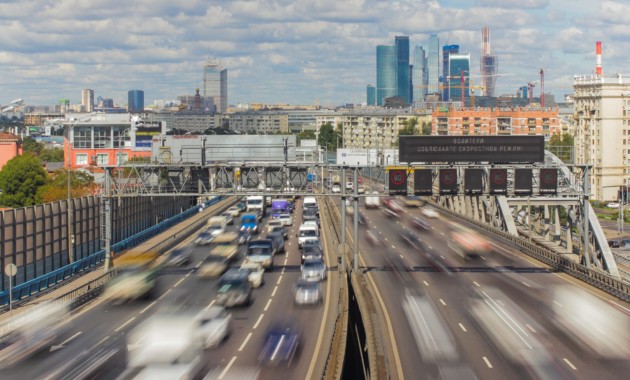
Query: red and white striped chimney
<point x="598" y="53"/>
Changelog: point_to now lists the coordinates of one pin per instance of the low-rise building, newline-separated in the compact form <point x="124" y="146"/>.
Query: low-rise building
<point x="10" y="147"/>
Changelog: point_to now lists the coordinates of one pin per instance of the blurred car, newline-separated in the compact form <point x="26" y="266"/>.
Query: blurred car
<point x="412" y="201"/>
<point x="335" y="188"/>
<point x="282" y="339"/>
<point x="373" y="238"/>
<point x="272" y="224"/>
<point x="256" y="272"/>
<point x="615" y="243"/>
<point x="280" y="230"/>
<point x="244" y="236"/>
<point x="312" y="252"/>
<point x="214" y="326"/>
<point x="412" y="239"/>
<point x="242" y="205"/>
<point x="349" y="185"/>
<point x="313" y="242"/>
<point x="307" y="293"/>
<point x="613" y="205"/>
<point x="313" y="270"/>
<point x="361" y="189"/>
<point x="234" y="288"/>
<point x="430" y="212"/>
<point x="277" y="239"/>
<point x="229" y="218"/>
<point x="391" y="214"/>
<point x="286" y="219"/>
<point x="234" y="210"/>
<point x="212" y="266"/>
<point x="179" y="256"/>
<point x="204" y="238"/>
<point x="420" y="224"/>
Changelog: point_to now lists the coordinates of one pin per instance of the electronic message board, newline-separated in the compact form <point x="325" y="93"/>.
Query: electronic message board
<point x="397" y="181"/>
<point x="523" y="181"/>
<point x="423" y="182"/>
<point x="461" y="149"/>
<point x="473" y="183"/>
<point x="548" y="181"/>
<point x="498" y="181"/>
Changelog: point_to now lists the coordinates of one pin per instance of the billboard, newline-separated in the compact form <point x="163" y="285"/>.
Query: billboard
<point x="456" y="149"/>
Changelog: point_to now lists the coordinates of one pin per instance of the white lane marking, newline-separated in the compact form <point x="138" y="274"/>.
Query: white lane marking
<point x="530" y="327"/>
<point x="283" y="270"/>
<point x="425" y="283"/>
<point x="569" y="363"/>
<point x="393" y="247"/>
<point x="274" y="291"/>
<point x="148" y="307"/>
<point x="279" y="279"/>
<point x="101" y="342"/>
<point x="442" y="302"/>
<point x="442" y="233"/>
<point x="165" y="293"/>
<point x="245" y="342"/>
<point x="475" y="282"/>
<point x="198" y="264"/>
<point x="430" y="247"/>
<point x="63" y="344"/>
<point x="462" y="327"/>
<point x="526" y="284"/>
<point x="442" y="257"/>
<point x="485" y="359"/>
<point x="124" y="324"/>
<point x="210" y="305"/>
<point x="258" y="321"/>
<point x="187" y="274"/>
<point x="558" y="303"/>
<point x="482" y="258"/>
<point x="178" y="282"/>
<point x="401" y="256"/>
<point x="386" y="239"/>
<point x="227" y="368"/>
<point x="268" y="303"/>
<point x="379" y="232"/>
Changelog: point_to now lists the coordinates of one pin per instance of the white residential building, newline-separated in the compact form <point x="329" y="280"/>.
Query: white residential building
<point x="602" y="131"/>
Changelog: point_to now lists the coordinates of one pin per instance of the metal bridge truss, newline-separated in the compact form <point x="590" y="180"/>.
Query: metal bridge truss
<point x="556" y="220"/>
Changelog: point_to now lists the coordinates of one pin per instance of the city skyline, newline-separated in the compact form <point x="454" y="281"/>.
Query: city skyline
<point x="289" y="52"/>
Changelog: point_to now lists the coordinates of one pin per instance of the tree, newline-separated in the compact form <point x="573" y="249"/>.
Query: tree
<point x="426" y="129"/>
<point x="81" y="185"/>
<point x="562" y="146"/>
<point x="328" y="136"/>
<point x="305" y="135"/>
<point x="19" y="180"/>
<point x="29" y="144"/>
<point x="52" y="155"/>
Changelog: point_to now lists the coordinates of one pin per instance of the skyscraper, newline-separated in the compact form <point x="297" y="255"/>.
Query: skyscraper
<point x="135" y="101"/>
<point x="386" y="73"/>
<point x="87" y="100"/>
<point x="371" y="95"/>
<point x="489" y="64"/>
<point x="447" y="50"/>
<point x="419" y="75"/>
<point x="433" y="65"/>
<point x="458" y="66"/>
<point x="402" y="62"/>
<point x="215" y="83"/>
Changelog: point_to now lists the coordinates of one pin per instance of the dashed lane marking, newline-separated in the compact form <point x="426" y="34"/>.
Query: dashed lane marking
<point x="245" y="342"/>
<point x="476" y="284"/>
<point x="425" y="283"/>
<point x="274" y="291"/>
<point x="227" y="368"/>
<point x="485" y="359"/>
<point x="148" y="307"/>
<point x="442" y="302"/>
<point x="462" y="327"/>
<point x="268" y="303"/>
<point x="258" y="321"/>
<point x="124" y="324"/>
<point x="569" y="363"/>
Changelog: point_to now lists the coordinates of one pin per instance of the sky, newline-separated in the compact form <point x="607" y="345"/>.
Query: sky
<point x="288" y="51"/>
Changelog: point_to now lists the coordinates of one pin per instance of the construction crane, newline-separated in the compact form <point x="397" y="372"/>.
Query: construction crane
<point x="542" y="88"/>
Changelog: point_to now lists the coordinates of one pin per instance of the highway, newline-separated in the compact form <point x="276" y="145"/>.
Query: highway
<point x="100" y="329"/>
<point x="505" y="275"/>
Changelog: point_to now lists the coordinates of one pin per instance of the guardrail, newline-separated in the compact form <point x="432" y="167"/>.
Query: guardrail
<point x="595" y="277"/>
<point x="41" y="285"/>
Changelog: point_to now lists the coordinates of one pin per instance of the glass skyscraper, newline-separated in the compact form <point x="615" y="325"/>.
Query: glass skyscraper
<point x="456" y="64"/>
<point x="433" y="65"/>
<point x="135" y="101"/>
<point x="386" y="73"/>
<point x="419" y="75"/>
<point x="215" y="84"/>
<point x="402" y="62"/>
<point x="371" y="95"/>
<point x="447" y="50"/>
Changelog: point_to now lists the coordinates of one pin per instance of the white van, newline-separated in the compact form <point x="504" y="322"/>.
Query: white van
<point x="310" y="202"/>
<point x="255" y="203"/>
<point x="307" y="232"/>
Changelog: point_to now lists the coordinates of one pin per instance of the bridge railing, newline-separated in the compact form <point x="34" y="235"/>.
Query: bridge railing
<point x="42" y="284"/>
<point x="592" y="276"/>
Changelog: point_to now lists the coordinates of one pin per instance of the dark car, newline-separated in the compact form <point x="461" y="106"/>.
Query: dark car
<point x="312" y="252"/>
<point x="281" y="230"/>
<point x="310" y="214"/>
<point x="412" y="240"/>
<point x="420" y="224"/>
<point x="244" y="236"/>
<point x="281" y="343"/>
<point x="615" y="243"/>
<point x="312" y="242"/>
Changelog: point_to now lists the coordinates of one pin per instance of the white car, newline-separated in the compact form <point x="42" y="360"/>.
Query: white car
<point x="310" y="223"/>
<point x="613" y="205"/>
<point x="214" y="326"/>
<point x="286" y="219"/>
<point x="256" y="272"/>
<point x="234" y="210"/>
<point x="430" y="212"/>
<point x="335" y="188"/>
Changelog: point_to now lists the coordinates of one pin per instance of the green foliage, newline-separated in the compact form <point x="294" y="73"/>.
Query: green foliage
<point x="52" y="155"/>
<point x="562" y="146"/>
<point x="305" y="135"/>
<point x="31" y="145"/>
<point x="328" y="135"/>
<point x="19" y="180"/>
<point x="81" y="184"/>
<point x="426" y="129"/>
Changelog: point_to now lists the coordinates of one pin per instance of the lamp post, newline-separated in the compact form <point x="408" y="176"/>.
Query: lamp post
<point x="71" y="126"/>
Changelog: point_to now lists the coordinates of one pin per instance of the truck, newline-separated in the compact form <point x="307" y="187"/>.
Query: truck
<point x="250" y="222"/>
<point x="256" y="203"/>
<point x="280" y="206"/>
<point x="137" y="277"/>
<point x="165" y="346"/>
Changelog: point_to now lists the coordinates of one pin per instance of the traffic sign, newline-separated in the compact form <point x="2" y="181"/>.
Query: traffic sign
<point x="523" y="181"/>
<point x="498" y="181"/>
<point x="10" y="269"/>
<point x="423" y="182"/>
<point x="473" y="183"/>
<point x="548" y="181"/>
<point x="448" y="181"/>
<point x="398" y="182"/>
